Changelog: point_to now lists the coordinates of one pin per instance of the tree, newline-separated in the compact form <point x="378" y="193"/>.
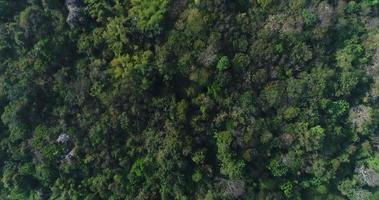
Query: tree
<point x="204" y="99"/>
<point x="359" y="117"/>
<point x="229" y="166"/>
<point x="223" y="63"/>
<point x="148" y="15"/>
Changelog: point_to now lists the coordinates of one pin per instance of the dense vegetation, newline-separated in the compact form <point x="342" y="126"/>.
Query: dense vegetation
<point x="189" y="99"/>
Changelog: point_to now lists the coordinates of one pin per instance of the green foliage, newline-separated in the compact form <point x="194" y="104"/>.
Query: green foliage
<point x="116" y="35"/>
<point x="148" y="14"/>
<point x="297" y="4"/>
<point x="350" y="54"/>
<point x="187" y="100"/>
<point x="229" y="166"/>
<point x="279" y="48"/>
<point x="291" y="112"/>
<point x="338" y="109"/>
<point x="352" y="7"/>
<point x="197" y="176"/>
<point x="272" y="94"/>
<point x="138" y="167"/>
<point x="287" y="189"/>
<point x="264" y="3"/>
<point x="195" y="21"/>
<point x="373" y="162"/>
<point x="309" y="17"/>
<point x="277" y="168"/>
<point x="223" y="64"/>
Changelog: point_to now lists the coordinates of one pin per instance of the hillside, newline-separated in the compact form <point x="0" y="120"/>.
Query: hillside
<point x="189" y="99"/>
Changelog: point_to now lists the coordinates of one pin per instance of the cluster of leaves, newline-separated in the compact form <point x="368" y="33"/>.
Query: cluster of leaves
<point x="182" y="99"/>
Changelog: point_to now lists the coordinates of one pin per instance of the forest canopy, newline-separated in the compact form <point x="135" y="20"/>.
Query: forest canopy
<point x="189" y="99"/>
